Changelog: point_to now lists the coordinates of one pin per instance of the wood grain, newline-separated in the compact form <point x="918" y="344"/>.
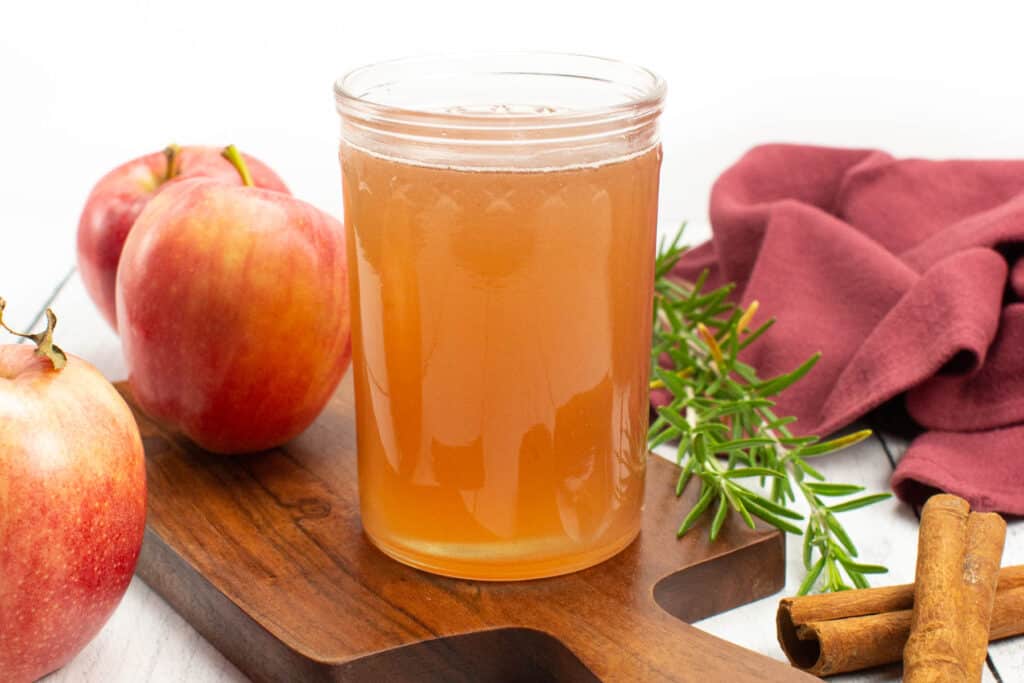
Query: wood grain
<point x="146" y="640"/>
<point x="264" y="555"/>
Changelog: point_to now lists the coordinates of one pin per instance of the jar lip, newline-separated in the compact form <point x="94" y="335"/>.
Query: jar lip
<point x="649" y="95"/>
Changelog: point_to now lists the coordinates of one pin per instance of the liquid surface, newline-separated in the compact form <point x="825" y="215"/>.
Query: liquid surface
<point x="501" y="332"/>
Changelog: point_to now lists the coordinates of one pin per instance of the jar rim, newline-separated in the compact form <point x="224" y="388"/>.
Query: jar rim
<point x="352" y="96"/>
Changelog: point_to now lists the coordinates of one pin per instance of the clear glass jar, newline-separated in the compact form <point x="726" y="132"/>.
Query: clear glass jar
<point x="500" y="212"/>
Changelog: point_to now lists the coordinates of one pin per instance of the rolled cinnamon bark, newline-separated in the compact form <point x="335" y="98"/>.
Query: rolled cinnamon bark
<point x="958" y="554"/>
<point x="934" y="650"/>
<point x="834" y="633"/>
<point x="857" y="603"/>
<point x="986" y="534"/>
<point x="839" y="645"/>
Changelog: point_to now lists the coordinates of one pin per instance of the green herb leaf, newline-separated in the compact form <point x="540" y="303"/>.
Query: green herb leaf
<point x="666" y="435"/>
<point x="860" y="502"/>
<point x="839" y="532"/>
<point x="835" y="444"/>
<point x="775" y="507"/>
<point x="825" y="489"/>
<point x="672" y="382"/>
<point x="675" y="419"/>
<point x="752" y="472"/>
<point x="721" y="407"/>
<point x="773" y="519"/>
<point x="777" y="384"/>
<point x="702" y="504"/>
<point x="866" y="568"/>
<point x="716" y="524"/>
<point x="812" y="575"/>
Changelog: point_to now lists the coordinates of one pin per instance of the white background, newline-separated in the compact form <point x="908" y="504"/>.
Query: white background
<point x="85" y="86"/>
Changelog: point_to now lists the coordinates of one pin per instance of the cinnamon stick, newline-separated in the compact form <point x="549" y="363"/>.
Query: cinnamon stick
<point x="958" y="555"/>
<point x="857" y="603"/>
<point x="851" y="630"/>
<point x="934" y="650"/>
<point x="819" y="638"/>
<point x="986" y="533"/>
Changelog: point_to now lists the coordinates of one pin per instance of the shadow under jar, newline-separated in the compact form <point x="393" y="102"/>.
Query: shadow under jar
<point x="501" y="213"/>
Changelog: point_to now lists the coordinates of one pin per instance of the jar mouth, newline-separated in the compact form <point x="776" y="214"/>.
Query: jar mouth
<point x="519" y="110"/>
<point x="499" y="89"/>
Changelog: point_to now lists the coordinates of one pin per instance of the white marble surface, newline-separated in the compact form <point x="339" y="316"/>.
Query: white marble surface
<point x="147" y="641"/>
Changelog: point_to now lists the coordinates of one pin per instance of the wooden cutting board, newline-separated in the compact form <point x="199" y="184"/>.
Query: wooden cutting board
<point x="265" y="556"/>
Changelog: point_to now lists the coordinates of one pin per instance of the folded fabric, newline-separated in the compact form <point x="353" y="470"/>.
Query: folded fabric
<point x="907" y="275"/>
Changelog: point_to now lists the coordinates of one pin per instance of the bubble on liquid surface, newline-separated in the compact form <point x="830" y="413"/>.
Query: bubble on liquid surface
<point x="505" y="109"/>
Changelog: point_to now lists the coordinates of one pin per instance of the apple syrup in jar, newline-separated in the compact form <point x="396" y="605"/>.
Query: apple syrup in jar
<point x="501" y="297"/>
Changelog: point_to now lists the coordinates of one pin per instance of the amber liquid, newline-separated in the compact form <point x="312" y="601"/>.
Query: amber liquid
<point x="501" y="324"/>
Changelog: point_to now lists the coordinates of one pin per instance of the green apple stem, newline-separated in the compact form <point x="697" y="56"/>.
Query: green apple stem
<point x="45" y="348"/>
<point x="232" y="154"/>
<point x="173" y="154"/>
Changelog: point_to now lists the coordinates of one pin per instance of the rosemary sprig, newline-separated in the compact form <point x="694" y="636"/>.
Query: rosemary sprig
<point x="721" y="415"/>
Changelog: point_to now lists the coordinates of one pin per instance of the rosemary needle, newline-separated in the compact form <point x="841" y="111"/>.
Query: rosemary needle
<point x="744" y="457"/>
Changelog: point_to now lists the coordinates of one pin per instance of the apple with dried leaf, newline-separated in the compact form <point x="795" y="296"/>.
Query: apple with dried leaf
<point x="72" y="504"/>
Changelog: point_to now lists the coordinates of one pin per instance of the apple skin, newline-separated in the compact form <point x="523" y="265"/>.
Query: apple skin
<point x="72" y="509"/>
<point x="234" y="313"/>
<point x="119" y="197"/>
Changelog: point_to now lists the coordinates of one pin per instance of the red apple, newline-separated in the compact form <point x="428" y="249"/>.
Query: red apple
<point x="234" y="313"/>
<point x="72" y="506"/>
<point x="119" y="197"/>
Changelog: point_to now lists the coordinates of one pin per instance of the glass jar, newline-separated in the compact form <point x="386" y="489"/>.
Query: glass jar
<point x="500" y="213"/>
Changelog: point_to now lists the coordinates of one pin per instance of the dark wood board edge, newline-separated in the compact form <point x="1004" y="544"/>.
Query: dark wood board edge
<point x="501" y="654"/>
<point x="235" y="634"/>
<point x="759" y="567"/>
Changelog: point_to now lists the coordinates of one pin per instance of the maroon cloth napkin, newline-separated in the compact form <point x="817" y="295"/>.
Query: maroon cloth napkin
<point x="907" y="275"/>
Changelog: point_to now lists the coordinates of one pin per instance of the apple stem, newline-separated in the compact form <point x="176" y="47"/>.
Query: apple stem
<point x="232" y="154"/>
<point x="172" y="153"/>
<point x="45" y="348"/>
